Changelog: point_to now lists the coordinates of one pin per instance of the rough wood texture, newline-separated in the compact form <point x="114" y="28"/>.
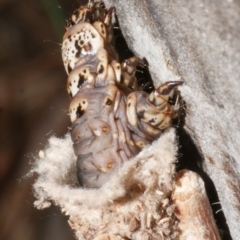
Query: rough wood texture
<point x="199" y="42"/>
<point x="193" y="209"/>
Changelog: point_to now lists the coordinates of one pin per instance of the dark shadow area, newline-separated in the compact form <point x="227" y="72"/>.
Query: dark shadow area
<point x="52" y="218"/>
<point x="143" y="76"/>
<point x="190" y="158"/>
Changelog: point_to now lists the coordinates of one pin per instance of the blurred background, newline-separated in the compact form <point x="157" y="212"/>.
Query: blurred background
<point x="33" y="106"/>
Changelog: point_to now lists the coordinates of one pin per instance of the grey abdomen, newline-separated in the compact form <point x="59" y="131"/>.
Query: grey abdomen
<point x="101" y="137"/>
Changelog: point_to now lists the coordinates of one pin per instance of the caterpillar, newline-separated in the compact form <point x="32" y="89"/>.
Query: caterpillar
<point x="112" y="118"/>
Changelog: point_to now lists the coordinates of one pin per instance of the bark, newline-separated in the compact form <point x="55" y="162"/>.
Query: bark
<point x="192" y="208"/>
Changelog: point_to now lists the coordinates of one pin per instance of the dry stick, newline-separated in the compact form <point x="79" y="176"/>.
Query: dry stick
<point x="193" y="208"/>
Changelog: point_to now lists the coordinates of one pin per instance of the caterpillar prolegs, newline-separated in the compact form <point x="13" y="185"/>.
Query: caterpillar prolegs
<point x="112" y="119"/>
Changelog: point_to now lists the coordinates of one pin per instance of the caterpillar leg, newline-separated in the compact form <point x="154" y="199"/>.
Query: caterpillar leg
<point x="129" y="67"/>
<point x="105" y="27"/>
<point x="125" y="72"/>
<point x="149" y="115"/>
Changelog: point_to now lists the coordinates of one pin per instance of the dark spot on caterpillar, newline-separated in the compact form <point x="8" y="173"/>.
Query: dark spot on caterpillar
<point x="140" y="113"/>
<point x="78" y="53"/>
<point x="93" y="36"/>
<point x="69" y="68"/>
<point x="152" y="121"/>
<point x="109" y="102"/>
<point x="80" y="111"/>
<point x="118" y="67"/>
<point x="84" y="71"/>
<point x="129" y="104"/>
<point x="165" y="91"/>
<point x="122" y="78"/>
<point x="81" y="80"/>
<point x="101" y="69"/>
<point x="70" y="84"/>
<point x="88" y="16"/>
<point x="71" y="23"/>
<point x="84" y="102"/>
<point x="103" y="32"/>
<point x="81" y="42"/>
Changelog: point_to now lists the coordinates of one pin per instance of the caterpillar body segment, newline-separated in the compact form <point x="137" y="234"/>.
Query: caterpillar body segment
<point x="112" y="120"/>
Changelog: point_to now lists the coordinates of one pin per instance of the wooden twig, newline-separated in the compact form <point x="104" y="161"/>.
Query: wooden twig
<point x="193" y="209"/>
